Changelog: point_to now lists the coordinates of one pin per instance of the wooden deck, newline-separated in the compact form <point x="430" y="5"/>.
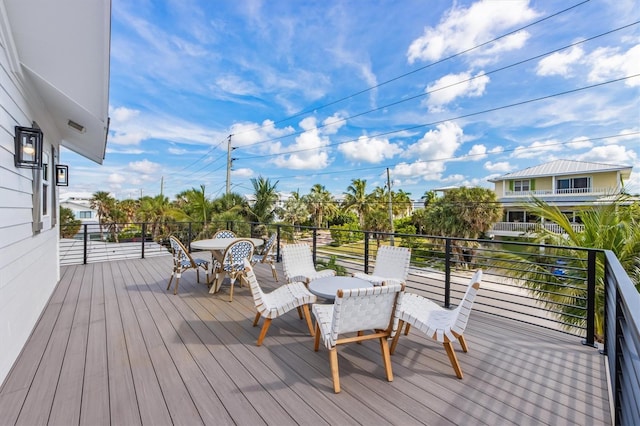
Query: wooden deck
<point x="113" y="347"/>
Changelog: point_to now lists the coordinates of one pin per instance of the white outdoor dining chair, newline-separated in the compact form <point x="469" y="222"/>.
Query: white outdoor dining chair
<point x="182" y="261"/>
<point x="297" y="264"/>
<point x="392" y="265"/>
<point x="442" y="325"/>
<point x="368" y="312"/>
<point x="224" y="233"/>
<point x="232" y="265"/>
<point x="265" y="256"/>
<point x="280" y="301"/>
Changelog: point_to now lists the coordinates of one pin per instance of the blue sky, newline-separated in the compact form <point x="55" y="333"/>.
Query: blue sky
<point x="441" y="93"/>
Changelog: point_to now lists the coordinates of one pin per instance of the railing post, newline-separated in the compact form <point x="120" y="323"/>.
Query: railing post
<point x="591" y="299"/>
<point x="315" y="243"/>
<point x="366" y="252"/>
<point x="190" y="237"/>
<point x="85" y="238"/>
<point x="144" y="236"/>
<point x="277" y="243"/>
<point x="447" y="273"/>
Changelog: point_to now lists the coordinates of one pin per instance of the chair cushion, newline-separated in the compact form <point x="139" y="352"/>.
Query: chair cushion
<point x="324" y="315"/>
<point x="285" y="298"/>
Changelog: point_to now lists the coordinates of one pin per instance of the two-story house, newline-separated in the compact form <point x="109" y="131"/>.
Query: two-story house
<point x="569" y="185"/>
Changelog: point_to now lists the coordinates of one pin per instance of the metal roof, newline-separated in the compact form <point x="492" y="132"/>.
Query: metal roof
<point x="564" y="167"/>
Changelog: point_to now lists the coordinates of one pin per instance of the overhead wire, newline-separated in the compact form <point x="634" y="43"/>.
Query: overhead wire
<point x="431" y="64"/>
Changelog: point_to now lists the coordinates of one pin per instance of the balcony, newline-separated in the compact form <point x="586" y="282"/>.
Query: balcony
<point x="114" y="347"/>
<point x="541" y="193"/>
<point x="515" y="229"/>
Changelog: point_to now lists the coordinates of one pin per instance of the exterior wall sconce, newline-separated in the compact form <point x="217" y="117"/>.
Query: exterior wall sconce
<point x="28" y="143"/>
<point x="62" y="175"/>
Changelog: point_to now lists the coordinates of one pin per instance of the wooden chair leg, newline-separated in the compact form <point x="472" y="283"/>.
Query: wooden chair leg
<point x="448" y="346"/>
<point x="274" y="272"/>
<point x="299" y="311"/>
<point x="263" y="332"/>
<point x="257" y="318"/>
<point x="307" y="317"/>
<point x="233" y="280"/>
<point x="396" y="337"/>
<point x="170" y="279"/>
<point x="175" y="290"/>
<point x="316" y="342"/>
<point x="386" y="358"/>
<point x="463" y="343"/>
<point x="198" y="275"/>
<point x="335" y="375"/>
<point x="406" y="329"/>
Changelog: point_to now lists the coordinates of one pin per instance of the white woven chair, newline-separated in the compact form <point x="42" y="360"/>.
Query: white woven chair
<point x="442" y="325"/>
<point x="278" y="302"/>
<point x="182" y="261"/>
<point x="232" y="264"/>
<point x="297" y="264"/>
<point x="265" y="256"/>
<point x="224" y="233"/>
<point x="392" y="265"/>
<point x="357" y="311"/>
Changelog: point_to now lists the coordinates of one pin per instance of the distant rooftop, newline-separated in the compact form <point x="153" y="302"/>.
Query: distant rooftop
<point x="564" y="167"/>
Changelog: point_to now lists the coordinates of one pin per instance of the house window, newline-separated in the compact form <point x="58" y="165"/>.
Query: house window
<point x="521" y="185"/>
<point x="85" y="215"/>
<point x="515" y="216"/>
<point x="582" y="184"/>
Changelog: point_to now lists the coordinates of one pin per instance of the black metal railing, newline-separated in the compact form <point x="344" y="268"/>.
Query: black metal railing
<point x="622" y="343"/>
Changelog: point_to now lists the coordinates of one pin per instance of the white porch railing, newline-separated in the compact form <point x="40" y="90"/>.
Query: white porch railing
<point x="568" y="192"/>
<point x="522" y="227"/>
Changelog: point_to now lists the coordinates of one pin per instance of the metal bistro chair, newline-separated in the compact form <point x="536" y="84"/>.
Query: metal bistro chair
<point x="392" y="264"/>
<point x="297" y="264"/>
<point x="182" y="261"/>
<point x="442" y="325"/>
<point x="232" y="264"/>
<point x="224" y="233"/>
<point x="265" y="256"/>
<point x="280" y="301"/>
<point x="369" y="312"/>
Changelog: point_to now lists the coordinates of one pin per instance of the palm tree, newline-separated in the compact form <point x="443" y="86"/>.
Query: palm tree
<point x="194" y="202"/>
<point x="402" y="204"/>
<point x="608" y="227"/>
<point x="156" y="211"/>
<point x="266" y="196"/>
<point x="295" y="209"/>
<point x="102" y="202"/>
<point x="320" y="203"/>
<point x="356" y="199"/>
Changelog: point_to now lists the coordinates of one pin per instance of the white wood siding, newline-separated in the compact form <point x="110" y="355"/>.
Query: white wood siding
<point x="29" y="268"/>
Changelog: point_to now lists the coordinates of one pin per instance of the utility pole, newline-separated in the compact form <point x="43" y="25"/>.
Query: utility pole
<point x="162" y="185"/>
<point x="391" y="241"/>
<point x="229" y="165"/>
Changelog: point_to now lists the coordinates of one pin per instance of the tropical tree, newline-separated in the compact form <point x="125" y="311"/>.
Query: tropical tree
<point x="607" y="227"/>
<point x="102" y="202"/>
<point x="378" y="222"/>
<point x="463" y="213"/>
<point x="195" y="204"/>
<point x="69" y="225"/>
<point x="320" y="204"/>
<point x="295" y="210"/>
<point x="402" y="204"/>
<point x="129" y="207"/>
<point x="266" y="196"/>
<point x="356" y="199"/>
<point x="156" y="211"/>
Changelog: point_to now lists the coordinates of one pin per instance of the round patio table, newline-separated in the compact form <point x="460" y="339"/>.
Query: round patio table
<point x="327" y="287"/>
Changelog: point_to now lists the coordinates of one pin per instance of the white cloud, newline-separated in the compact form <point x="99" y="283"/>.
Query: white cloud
<point x="332" y="124"/>
<point x="438" y="144"/>
<point x="371" y="150"/>
<point x="236" y="85"/>
<point x="581" y="142"/>
<point x="477" y="152"/>
<point x="177" y="151"/>
<point x="560" y="63"/>
<point x="453" y="86"/>
<point x="608" y="63"/>
<point x="309" y="150"/>
<point x="116" y="178"/>
<point x="243" y="172"/>
<point x="463" y="28"/>
<point x="500" y="167"/>
<point x="421" y="169"/>
<point x="538" y="149"/>
<point x="145" y="167"/>
<point x="610" y="154"/>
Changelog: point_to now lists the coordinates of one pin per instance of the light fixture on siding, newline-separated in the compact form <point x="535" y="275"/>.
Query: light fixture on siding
<point x="28" y="144"/>
<point x="62" y="175"/>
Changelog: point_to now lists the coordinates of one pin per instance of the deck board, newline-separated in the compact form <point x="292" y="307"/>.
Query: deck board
<point x="114" y="347"/>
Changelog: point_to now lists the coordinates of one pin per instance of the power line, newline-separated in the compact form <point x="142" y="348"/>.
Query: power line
<point x="429" y="92"/>
<point x="455" y="55"/>
<point x="472" y="114"/>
